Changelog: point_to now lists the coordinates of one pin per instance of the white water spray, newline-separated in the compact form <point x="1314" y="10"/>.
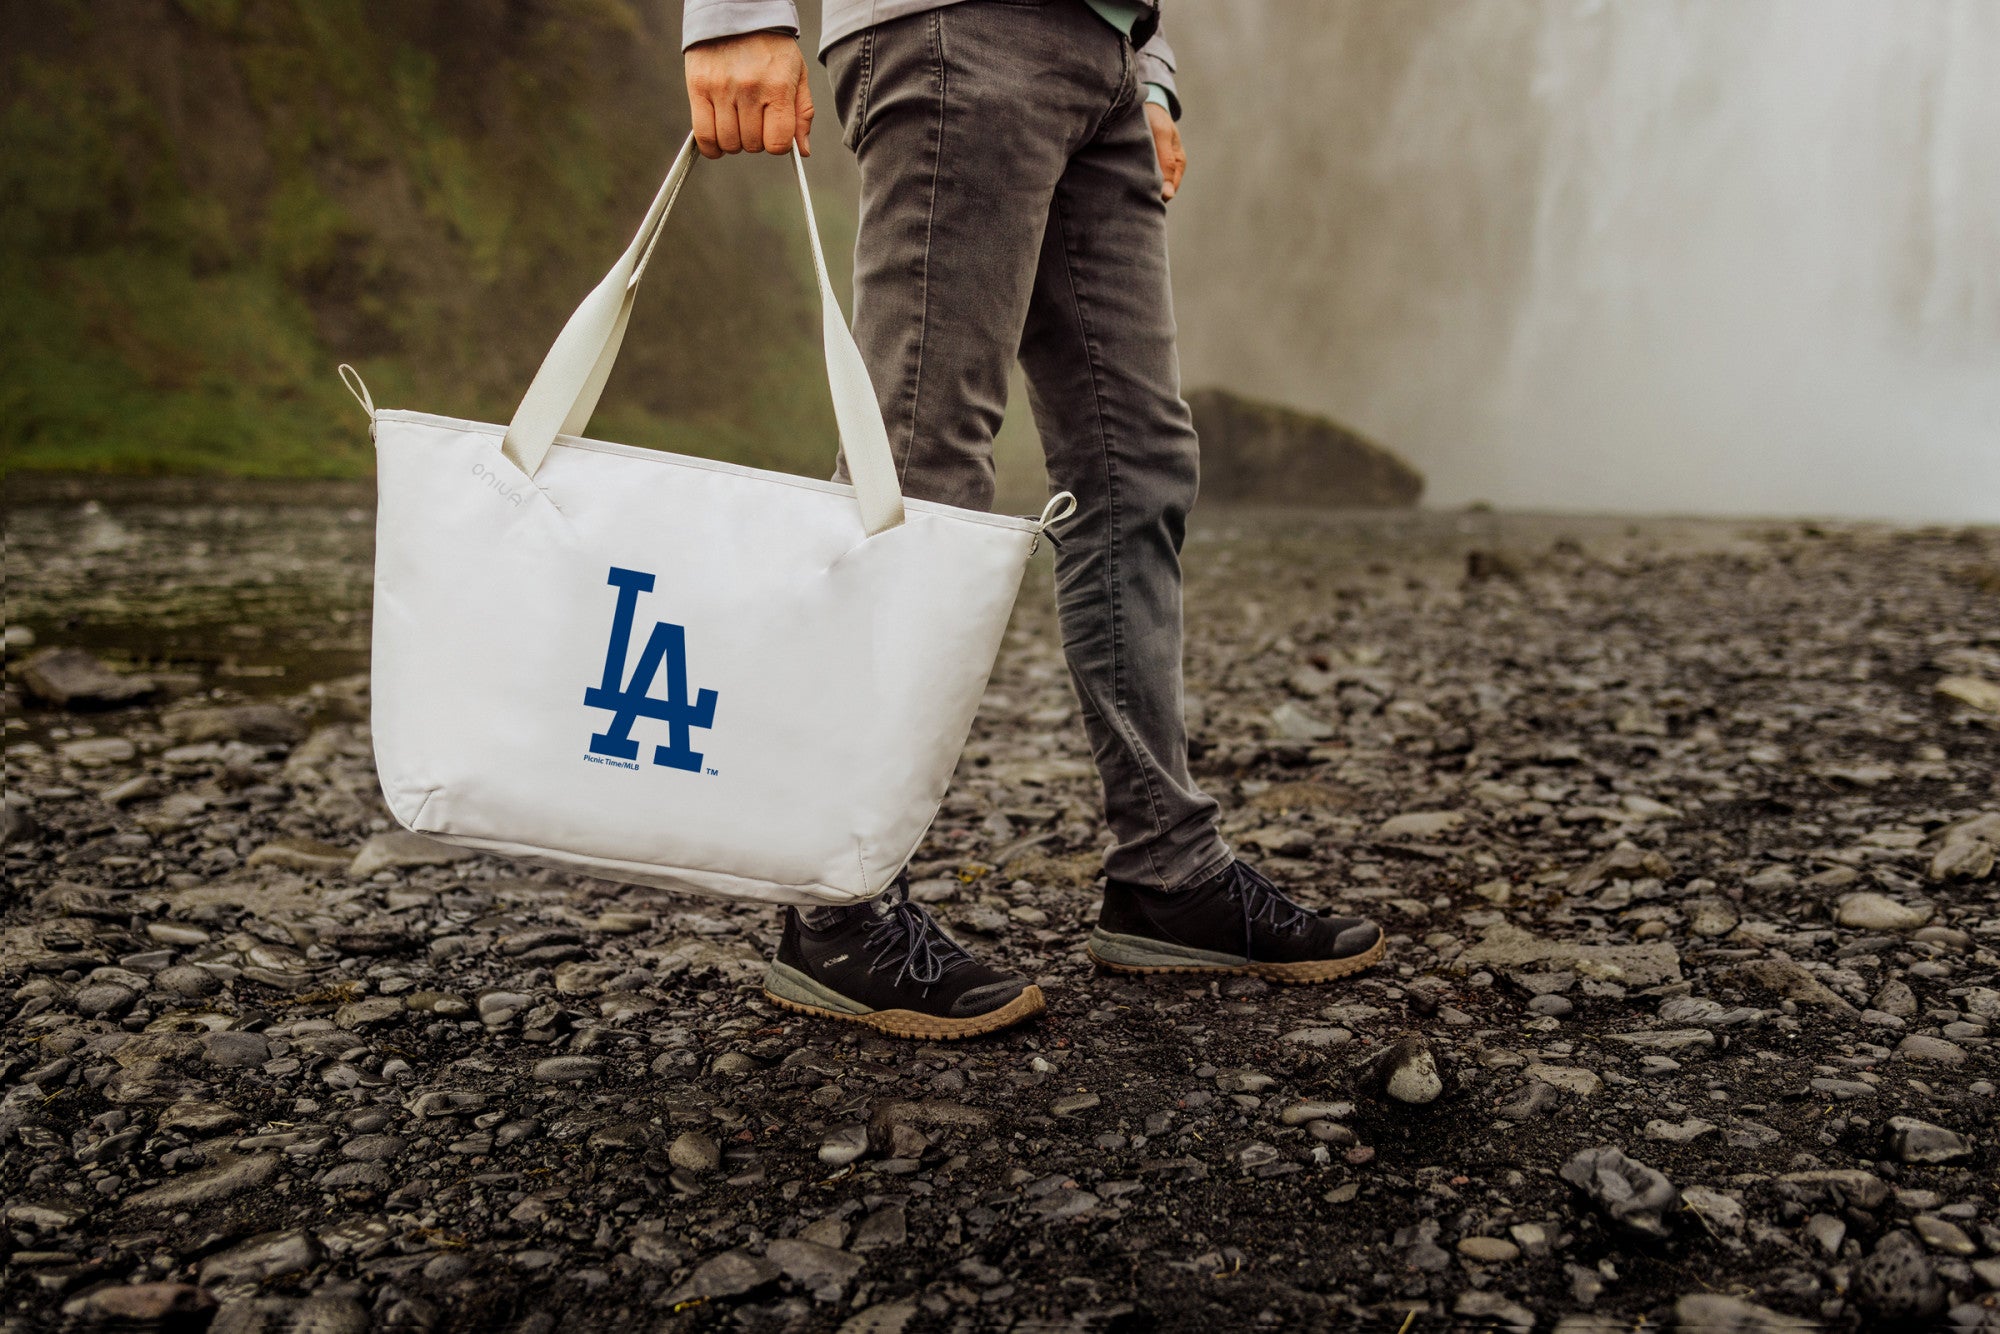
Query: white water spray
<point x="1724" y="256"/>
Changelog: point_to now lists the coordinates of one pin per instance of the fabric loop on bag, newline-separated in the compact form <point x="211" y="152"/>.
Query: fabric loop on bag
<point x="566" y="388"/>
<point x="1049" y="515"/>
<point x="355" y="386"/>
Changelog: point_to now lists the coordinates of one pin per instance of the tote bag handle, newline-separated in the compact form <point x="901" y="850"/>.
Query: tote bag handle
<point x="565" y="390"/>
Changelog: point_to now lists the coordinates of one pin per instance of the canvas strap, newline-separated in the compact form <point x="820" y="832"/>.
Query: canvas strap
<point x="565" y="390"/>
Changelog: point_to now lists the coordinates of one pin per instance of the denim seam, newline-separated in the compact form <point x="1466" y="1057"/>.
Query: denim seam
<point x="936" y="26"/>
<point x="1120" y="721"/>
<point x="867" y="88"/>
<point x="1126" y="88"/>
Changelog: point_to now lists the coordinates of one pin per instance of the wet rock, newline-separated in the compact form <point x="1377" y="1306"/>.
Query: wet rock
<point x="268" y="1255"/>
<point x="235" y="1051"/>
<point x="188" y="981"/>
<point x="1290" y="722"/>
<point x="105" y="1000"/>
<point x="373" y="1148"/>
<point x="824" y="1271"/>
<point x="1711" y="917"/>
<point x="1260" y="451"/>
<point x="136" y="788"/>
<point x="356" y="1015"/>
<point x="1827" y="1232"/>
<point x="1879" y="912"/>
<point x="369" y="1178"/>
<point x="884" y="1229"/>
<point x="195" y="1116"/>
<point x="843" y="1144"/>
<point x="44" y="1217"/>
<point x="1488" y="1250"/>
<point x="1630" y="1192"/>
<point x="1301" y="1113"/>
<point x="1506" y="946"/>
<point x="1073" y="1103"/>
<point x="1898" y="1281"/>
<point x="1570" y="1079"/>
<point x="730" y="1274"/>
<point x="1679" y="1132"/>
<point x="257" y="724"/>
<point x="1941" y="1234"/>
<point x="69" y="678"/>
<point x="1841" y="1186"/>
<point x="98" y="751"/>
<point x="1973" y="692"/>
<point x="1916" y="1141"/>
<point x="1407" y="1072"/>
<point x="1717" y="1313"/>
<point x="141" y="1306"/>
<point x="1421" y="824"/>
<point x="567" y="1069"/>
<point x="230" y="1175"/>
<point x="694" y="1152"/>
<point x="1930" y="1050"/>
<point x="1788" y="981"/>
<point x="303" y="854"/>
<point x="1668" y="1039"/>
<point x="1723" y="1213"/>
<point x="399" y="849"/>
<point x="1963" y="859"/>
<point x="1493" y="1310"/>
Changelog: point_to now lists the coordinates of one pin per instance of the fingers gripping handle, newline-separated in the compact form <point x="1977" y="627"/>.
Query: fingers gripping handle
<point x="565" y="390"/>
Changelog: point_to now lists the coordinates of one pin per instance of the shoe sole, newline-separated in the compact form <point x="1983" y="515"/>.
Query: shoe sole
<point x="931" y="1027"/>
<point x="1144" y="956"/>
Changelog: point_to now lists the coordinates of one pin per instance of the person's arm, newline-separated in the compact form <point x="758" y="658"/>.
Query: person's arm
<point x="746" y="78"/>
<point x="1163" y="108"/>
<point x="1156" y="70"/>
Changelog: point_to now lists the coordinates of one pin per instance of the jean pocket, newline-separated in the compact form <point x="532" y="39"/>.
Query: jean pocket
<point x="850" y="64"/>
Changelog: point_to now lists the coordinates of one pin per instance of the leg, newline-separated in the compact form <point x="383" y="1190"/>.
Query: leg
<point x="1104" y="379"/>
<point x="962" y="120"/>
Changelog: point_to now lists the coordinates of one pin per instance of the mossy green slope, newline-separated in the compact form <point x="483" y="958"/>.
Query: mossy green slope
<point x="205" y="205"/>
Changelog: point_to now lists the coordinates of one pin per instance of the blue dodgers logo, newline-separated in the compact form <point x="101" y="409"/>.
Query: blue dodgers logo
<point x="631" y="701"/>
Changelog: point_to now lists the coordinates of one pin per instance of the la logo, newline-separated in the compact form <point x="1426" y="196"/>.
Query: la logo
<point x="628" y="701"/>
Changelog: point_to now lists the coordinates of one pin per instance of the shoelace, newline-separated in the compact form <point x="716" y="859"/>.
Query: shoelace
<point x="1262" y="899"/>
<point x="928" y="953"/>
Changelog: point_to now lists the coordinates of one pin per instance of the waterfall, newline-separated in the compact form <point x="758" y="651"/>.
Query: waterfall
<point x="1717" y="256"/>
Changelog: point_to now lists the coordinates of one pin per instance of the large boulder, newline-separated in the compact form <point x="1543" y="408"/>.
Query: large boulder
<point x="1252" y="451"/>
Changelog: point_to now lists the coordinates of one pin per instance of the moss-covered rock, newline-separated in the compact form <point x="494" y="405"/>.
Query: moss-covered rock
<point x="1252" y="451"/>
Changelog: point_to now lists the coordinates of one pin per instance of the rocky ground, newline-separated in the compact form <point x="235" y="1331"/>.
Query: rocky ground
<point x="1684" y="835"/>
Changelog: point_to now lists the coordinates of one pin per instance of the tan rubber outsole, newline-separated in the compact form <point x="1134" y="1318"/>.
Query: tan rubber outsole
<point x="1291" y="974"/>
<point x="931" y="1027"/>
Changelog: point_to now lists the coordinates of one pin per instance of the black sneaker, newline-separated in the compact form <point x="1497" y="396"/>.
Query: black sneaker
<point x="889" y="966"/>
<point x="1238" y="922"/>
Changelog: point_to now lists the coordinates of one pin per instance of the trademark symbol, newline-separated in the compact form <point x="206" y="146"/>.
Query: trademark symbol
<point x="714" y="772"/>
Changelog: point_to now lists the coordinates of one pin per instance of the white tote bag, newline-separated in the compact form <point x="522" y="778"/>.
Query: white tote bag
<point x="667" y="670"/>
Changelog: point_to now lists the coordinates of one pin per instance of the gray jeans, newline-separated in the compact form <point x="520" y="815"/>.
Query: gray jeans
<point x="1010" y="205"/>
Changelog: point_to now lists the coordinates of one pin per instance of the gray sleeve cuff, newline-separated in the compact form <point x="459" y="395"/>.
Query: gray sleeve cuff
<point x="1156" y="66"/>
<point x="706" y="20"/>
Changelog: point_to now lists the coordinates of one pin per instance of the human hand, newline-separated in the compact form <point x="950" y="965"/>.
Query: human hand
<point x="747" y="94"/>
<point x="1167" y="143"/>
